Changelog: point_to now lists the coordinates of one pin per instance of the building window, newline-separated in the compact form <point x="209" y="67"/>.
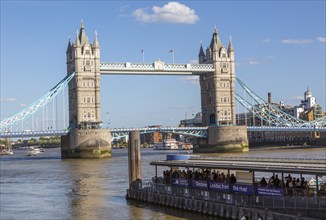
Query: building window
<point x="212" y="119"/>
<point x="87" y="52"/>
<point x="88" y="63"/>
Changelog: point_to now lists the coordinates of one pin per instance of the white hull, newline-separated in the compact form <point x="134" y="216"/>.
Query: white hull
<point x="169" y="144"/>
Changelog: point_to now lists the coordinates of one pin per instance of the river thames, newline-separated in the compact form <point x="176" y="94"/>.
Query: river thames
<point x="47" y="187"/>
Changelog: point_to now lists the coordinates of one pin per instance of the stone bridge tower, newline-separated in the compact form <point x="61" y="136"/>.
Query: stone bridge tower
<point x="218" y="100"/>
<point x="217" y="89"/>
<point x="87" y="138"/>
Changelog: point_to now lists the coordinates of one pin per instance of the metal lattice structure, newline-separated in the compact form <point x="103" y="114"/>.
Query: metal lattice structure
<point x="187" y="131"/>
<point x="31" y="109"/>
<point x="272" y="114"/>
<point x="156" y="68"/>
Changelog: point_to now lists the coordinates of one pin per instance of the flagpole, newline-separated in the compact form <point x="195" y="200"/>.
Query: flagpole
<point x="142" y="51"/>
<point x="172" y="51"/>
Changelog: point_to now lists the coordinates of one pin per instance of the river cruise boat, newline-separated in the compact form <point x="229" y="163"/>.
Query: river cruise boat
<point x="34" y="151"/>
<point x="235" y="187"/>
<point x="168" y="144"/>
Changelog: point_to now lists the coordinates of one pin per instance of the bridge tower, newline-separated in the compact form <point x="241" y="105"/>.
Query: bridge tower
<point x="218" y="100"/>
<point x="87" y="138"/>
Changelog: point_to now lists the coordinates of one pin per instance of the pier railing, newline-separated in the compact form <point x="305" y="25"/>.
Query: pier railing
<point x="271" y="202"/>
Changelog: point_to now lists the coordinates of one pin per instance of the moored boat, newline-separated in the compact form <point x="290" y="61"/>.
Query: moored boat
<point x="34" y="151"/>
<point x="168" y="144"/>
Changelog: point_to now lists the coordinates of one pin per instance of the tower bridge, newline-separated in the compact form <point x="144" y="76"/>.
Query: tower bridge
<point x="216" y="71"/>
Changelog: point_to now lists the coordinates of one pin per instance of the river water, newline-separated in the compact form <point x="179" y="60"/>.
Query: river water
<point x="47" y="187"/>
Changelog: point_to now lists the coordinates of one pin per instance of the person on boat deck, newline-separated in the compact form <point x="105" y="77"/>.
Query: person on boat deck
<point x="277" y="181"/>
<point x="263" y="182"/>
<point x="271" y="181"/>
<point x="233" y="179"/>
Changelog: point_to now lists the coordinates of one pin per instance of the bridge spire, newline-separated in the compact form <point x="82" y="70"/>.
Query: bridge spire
<point x="77" y="43"/>
<point x="69" y="46"/>
<point x="95" y="44"/>
<point x="82" y="34"/>
<point x="230" y="48"/>
<point x="201" y="55"/>
<point x="216" y="43"/>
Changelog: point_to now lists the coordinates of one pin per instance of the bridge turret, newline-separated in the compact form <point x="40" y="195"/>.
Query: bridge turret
<point x="217" y="89"/>
<point x="77" y="42"/>
<point x="201" y="55"/>
<point x="69" y="56"/>
<point x="231" y="50"/>
<point x="82" y="35"/>
<point x="84" y="100"/>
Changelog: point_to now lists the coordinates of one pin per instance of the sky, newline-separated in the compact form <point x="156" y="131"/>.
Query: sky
<point x="279" y="48"/>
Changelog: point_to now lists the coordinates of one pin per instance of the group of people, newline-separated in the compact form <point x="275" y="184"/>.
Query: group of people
<point x="199" y="174"/>
<point x="273" y="181"/>
<point x="293" y="185"/>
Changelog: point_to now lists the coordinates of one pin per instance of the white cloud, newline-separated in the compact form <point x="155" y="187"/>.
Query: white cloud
<point x="123" y="11"/>
<point x="8" y="100"/>
<point x="253" y="61"/>
<point x="295" y="41"/>
<point x="192" y="79"/>
<point x="172" y="12"/>
<point x="194" y="61"/>
<point x="267" y="40"/>
<point x="23" y="104"/>
<point x="321" y="39"/>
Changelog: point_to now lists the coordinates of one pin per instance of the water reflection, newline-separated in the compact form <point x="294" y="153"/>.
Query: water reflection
<point x="87" y="191"/>
<point x="46" y="187"/>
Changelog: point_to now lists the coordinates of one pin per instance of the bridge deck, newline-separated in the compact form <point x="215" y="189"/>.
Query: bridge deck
<point x="156" y="68"/>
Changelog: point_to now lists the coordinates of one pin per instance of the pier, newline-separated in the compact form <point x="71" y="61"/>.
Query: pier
<point x="244" y="198"/>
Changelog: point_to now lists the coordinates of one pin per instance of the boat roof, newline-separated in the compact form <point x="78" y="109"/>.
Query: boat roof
<point x="277" y="165"/>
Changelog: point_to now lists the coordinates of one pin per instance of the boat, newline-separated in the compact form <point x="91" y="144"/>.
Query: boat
<point x="232" y="186"/>
<point x="185" y="146"/>
<point x="34" y="151"/>
<point x="168" y="144"/>
<point x="6" y="150"/>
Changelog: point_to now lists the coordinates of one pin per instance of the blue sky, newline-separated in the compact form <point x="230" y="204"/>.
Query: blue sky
<point x="279" y="48"/>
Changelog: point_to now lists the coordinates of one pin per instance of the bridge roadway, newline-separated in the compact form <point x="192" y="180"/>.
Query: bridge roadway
<point x="187" y="131"/>
<point x="156" y="68"/>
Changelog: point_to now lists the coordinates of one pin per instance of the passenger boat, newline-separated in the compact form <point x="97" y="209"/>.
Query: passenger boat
<point x="34" y="151"/>
<point x="185" y="146"/>
<point x="168" y="144"/>
<point x="230" y="186"/>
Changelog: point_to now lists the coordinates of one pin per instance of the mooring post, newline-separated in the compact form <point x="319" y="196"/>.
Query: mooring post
<point x="134" y="157"/>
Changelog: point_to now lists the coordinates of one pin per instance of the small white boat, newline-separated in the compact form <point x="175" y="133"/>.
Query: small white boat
<point x="34" y="151"/>
<point x="185" y="146"/>
<point x="168" y="144"/>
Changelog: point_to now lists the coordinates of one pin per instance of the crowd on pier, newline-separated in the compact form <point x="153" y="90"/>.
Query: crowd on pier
<point x="292" y="185"/>
<point x="199" y="174"/>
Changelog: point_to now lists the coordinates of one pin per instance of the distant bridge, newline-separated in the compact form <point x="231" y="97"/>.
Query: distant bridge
<point x="186" y="131"/>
